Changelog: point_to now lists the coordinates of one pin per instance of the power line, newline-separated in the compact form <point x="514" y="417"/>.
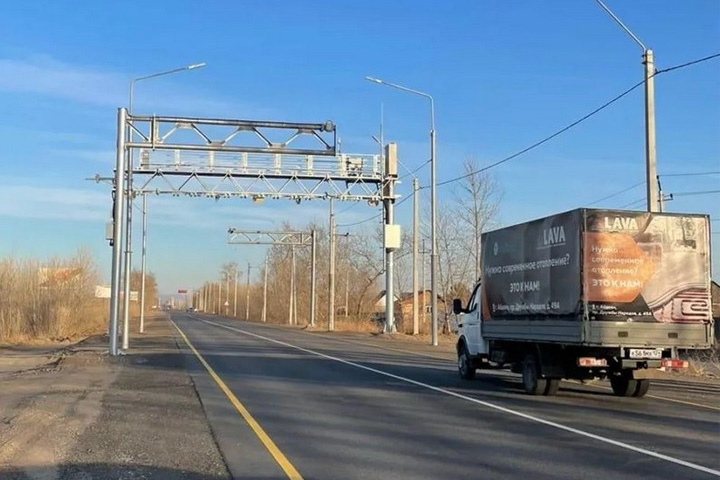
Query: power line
<point x="687" y="64"/>
<point x="693" y="174"/>
<point x="620" y="192"/>
<point x="411" y="173"/>
<point x="560" y="132"/>
<point x="544" y="140"/>
<point x="633" y="204"/>
<point x="688" y="194"/>
<point x="576" y="122"/>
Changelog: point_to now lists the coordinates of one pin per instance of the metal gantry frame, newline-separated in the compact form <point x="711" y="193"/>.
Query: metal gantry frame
<point x="227" y="158"/>
<point x="287" y="238"/>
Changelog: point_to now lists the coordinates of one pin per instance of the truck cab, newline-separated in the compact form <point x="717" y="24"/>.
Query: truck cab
<point x="472" y="348"/>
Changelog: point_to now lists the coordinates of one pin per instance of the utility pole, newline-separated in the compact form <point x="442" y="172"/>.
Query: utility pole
<point x="313" y="275"/>
<point x="143" y="263"/>
<point x="391" y="239"/>
<point x="650" y="151"/>
<point x="424" y="282"/>
<point x="265" y="286"/>
<point x="433" y="200"/>
<point x="247" y="294"/>
<point x="331" y="271"/>
<point x="292" y="285"/>
<point x="653" y="198"/>
<point x="416" y="240"/>
<point x="433" y="230"/>
<point x="662" y="197"/>
<point x="347" y="290"/>
<point x="235" y="294"/>
<point x="227" y="293"/>
<point x="295" y="308"/>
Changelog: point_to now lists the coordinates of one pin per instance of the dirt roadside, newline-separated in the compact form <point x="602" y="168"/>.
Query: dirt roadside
<point x="75" y="413"/>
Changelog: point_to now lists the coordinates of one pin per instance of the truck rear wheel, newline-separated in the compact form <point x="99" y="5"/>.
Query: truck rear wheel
<point x="533" y="384"/>
<point x="623" y="385"/>
<point x="643" y="385"/>
<point x="553" y="385"/>
<point x="466" y="369"/>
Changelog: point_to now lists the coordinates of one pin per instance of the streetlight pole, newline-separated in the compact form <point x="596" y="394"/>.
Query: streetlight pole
<point x="313" y="275"/>
<point x="331" y="270"/>
<point x="433" y="201"/>
<point x="247" y="294"/>
<point x="415" y="243"/>
<point x="235" y="294"/>
<point x="128" y="249"/>
<point x="264" y="308"/>
<point x="653" y="198"/>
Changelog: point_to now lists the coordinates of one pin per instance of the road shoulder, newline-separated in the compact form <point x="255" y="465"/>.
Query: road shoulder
<point x="89" y="416"/>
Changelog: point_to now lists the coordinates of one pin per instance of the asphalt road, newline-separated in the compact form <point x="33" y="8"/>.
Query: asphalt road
<point x="313" y="406"/>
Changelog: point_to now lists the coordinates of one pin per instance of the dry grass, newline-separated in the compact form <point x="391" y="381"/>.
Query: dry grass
<point x="705" y="363"/>
<point x="51" y="301"/>
<point x="350" y="324"/>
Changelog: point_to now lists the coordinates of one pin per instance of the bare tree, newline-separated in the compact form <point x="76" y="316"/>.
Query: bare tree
<point x="477" y="200"/>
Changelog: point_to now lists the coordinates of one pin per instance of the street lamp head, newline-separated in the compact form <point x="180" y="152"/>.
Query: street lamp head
<point x="373" y="79"/>
<point x="196" y="65"/>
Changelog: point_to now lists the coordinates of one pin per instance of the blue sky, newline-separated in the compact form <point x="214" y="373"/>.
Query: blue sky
<point x="503" y="74"/>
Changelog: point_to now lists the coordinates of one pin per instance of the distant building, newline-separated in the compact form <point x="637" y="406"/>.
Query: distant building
<point x="404" y="309"/>
<point x="379" y="306"/>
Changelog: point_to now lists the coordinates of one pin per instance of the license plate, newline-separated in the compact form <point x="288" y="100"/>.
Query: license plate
<point x="645" y="353"/>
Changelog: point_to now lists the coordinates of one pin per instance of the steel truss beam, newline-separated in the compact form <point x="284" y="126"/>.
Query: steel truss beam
<point x="258" y="237"/>
<point x="211" y="134"/>
<point x="288" y="238"/>
<point x="216" y="158"/>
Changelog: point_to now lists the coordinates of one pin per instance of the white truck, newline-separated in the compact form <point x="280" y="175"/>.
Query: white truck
<point x="589" y="294"/>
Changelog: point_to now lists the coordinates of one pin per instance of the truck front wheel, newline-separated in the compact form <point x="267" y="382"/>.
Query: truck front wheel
<point x="466" y="369"/>
<point x="533" y="383"/>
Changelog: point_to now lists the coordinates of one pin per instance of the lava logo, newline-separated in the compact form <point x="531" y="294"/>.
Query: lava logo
<point x="620" y="223"/>
<point x="553" y="236"/>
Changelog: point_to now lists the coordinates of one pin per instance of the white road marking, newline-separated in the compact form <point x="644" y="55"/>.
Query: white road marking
<point x="509" y="411"/>
<point x="453" y="362"/>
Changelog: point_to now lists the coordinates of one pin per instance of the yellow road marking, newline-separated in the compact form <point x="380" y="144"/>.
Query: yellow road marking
<point x="265" y="439"/>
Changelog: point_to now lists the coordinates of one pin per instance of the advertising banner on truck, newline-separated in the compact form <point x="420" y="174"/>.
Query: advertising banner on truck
<point x="532" y="270"/>
<point x="646" y="267"/>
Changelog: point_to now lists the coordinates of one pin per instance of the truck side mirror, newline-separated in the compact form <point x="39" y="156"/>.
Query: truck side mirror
<point x="457" y="307"/>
